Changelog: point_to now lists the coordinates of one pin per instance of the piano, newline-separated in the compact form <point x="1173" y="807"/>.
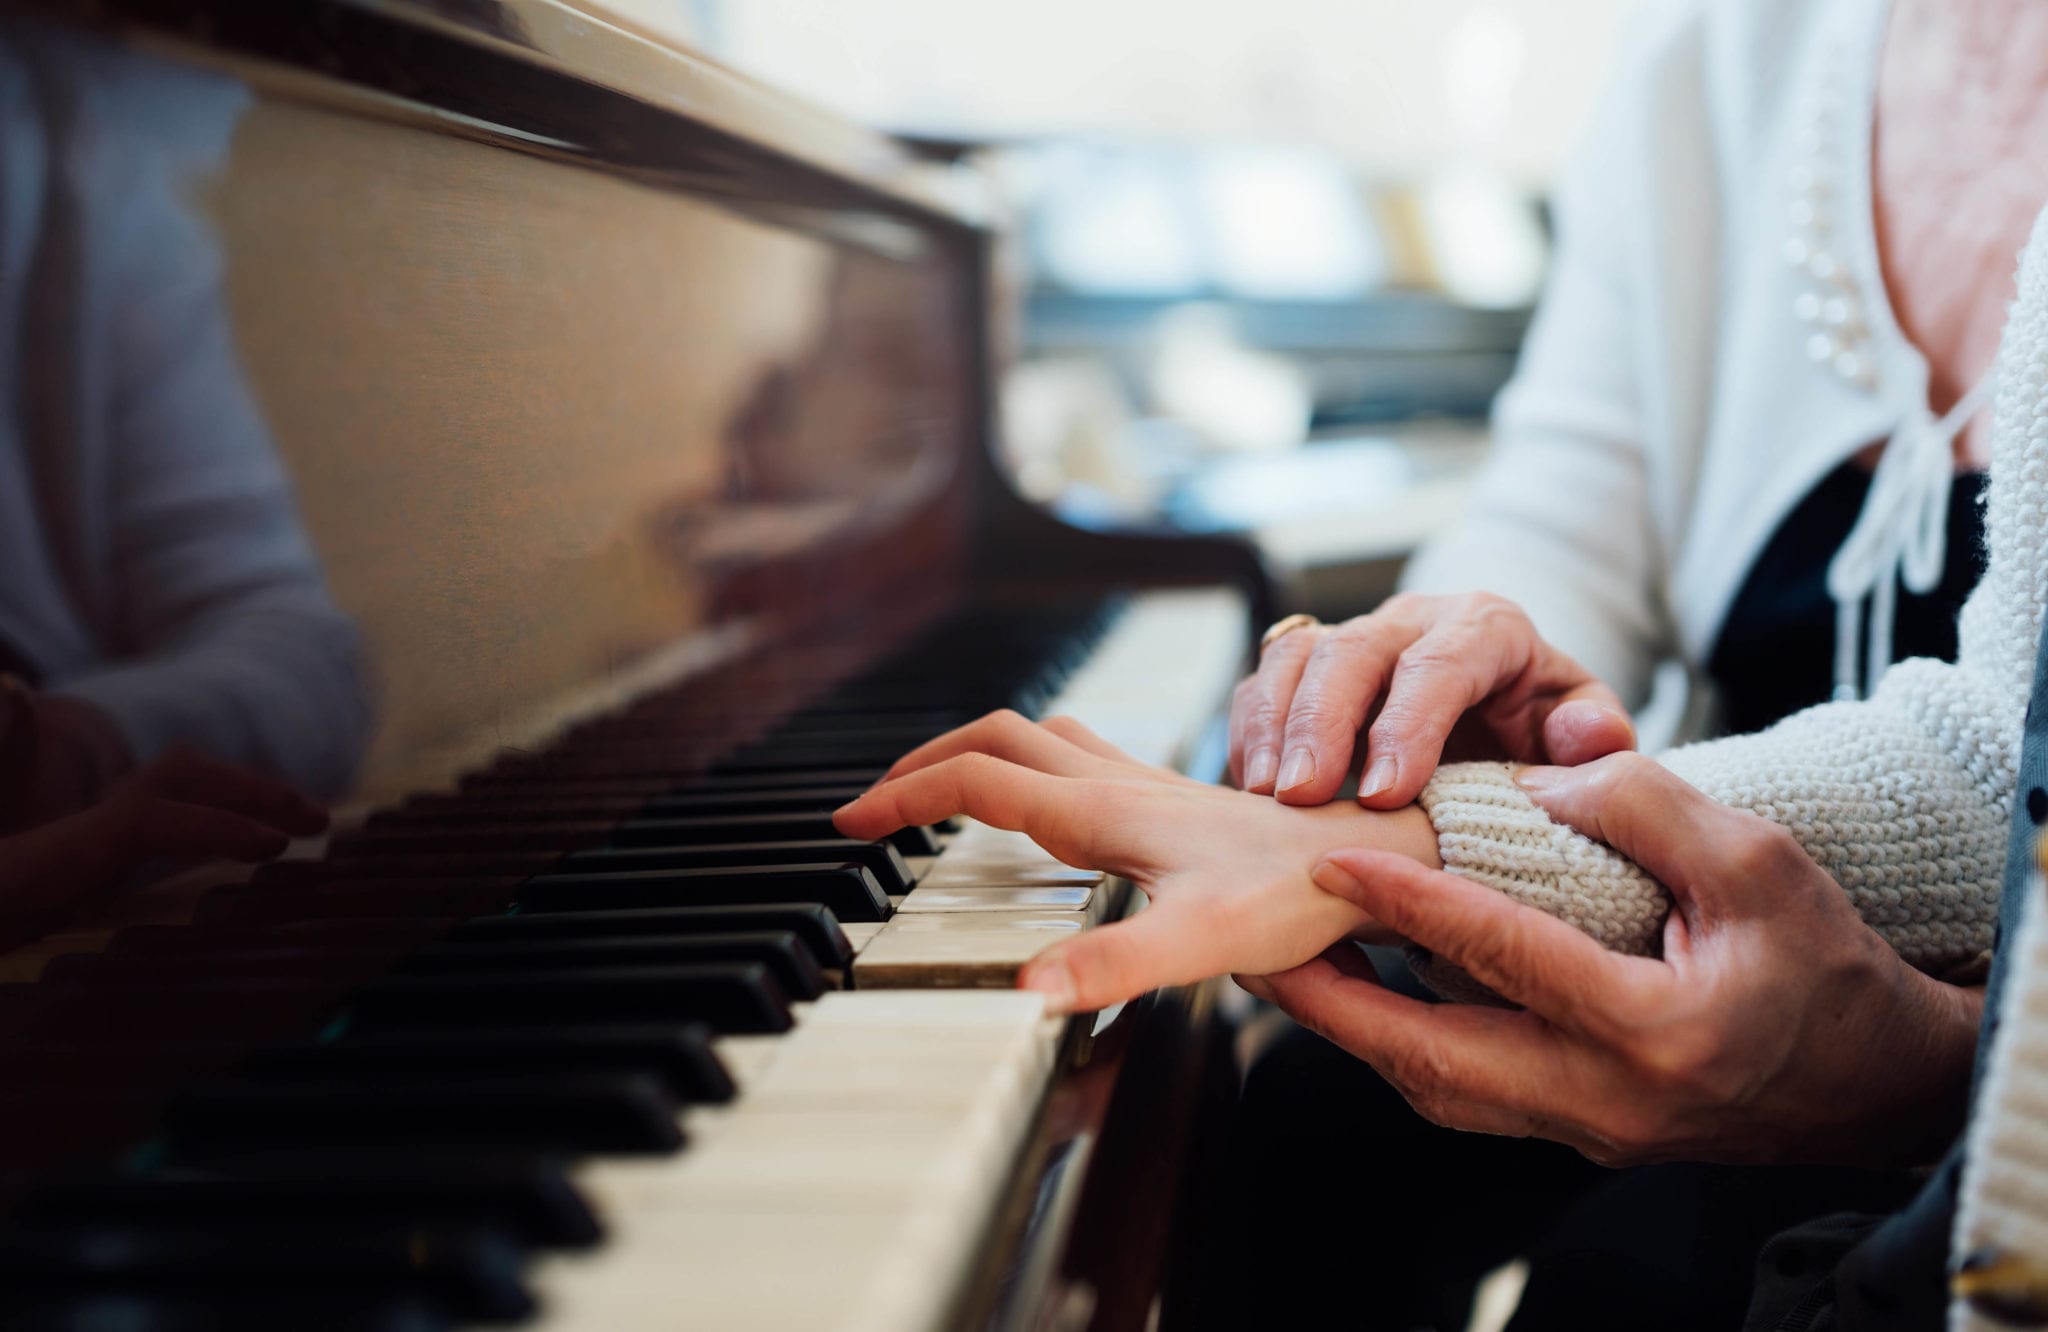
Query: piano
<point x="640" y="418"/>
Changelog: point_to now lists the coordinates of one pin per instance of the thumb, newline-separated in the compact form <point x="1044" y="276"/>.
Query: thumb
<point x="1112" y="963"/>
<point x="1683" y="838"/>
<point x="1586" y="724"/>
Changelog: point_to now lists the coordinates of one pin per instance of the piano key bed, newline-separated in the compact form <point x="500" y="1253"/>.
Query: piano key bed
<point x="589" y="1031"/>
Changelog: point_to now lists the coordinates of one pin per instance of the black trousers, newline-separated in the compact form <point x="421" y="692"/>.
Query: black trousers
<point x="1340" y="1207"/>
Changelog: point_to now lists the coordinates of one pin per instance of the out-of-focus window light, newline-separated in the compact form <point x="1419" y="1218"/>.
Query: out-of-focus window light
<point x="1289" y="225"/>
<point x="1112" y="221"/>
<point x="1250" y="222"/>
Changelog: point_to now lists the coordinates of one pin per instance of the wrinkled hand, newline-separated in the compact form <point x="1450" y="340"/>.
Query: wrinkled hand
<point x="183" y="806"/>
<point x="1227" y="873"/>
<point x="1463" y="677"/>
<point x="1776" y="1027"/>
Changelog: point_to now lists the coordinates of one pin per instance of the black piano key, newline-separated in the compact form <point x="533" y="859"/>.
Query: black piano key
<point x="785" y="956"/>
<point x="247" y="1008"/>
<point x="527" y="1197"/>
<point x="491" y="833"/>
<point x="414" y="885"/>
<point x="445" y="810"/>
<point x="367" y="932"/>
<point x="777" y="826"/>
<point x="340" y="966"/>
<point x="679" y="1057"/>
<point x="880" y="858"/>
<point x="117" y="1061"/>
<point x="460" y="811"/>
<point x="728" y="997"/>
<point x="543" y="1112"/>
<point x="863" y="776"/>
<point x="684" y="804"/>
<point x="220" y="1310"/>
<point x="474" y="1273"/>
<point x="850" y="892"/>
<point x="800" y="757"/>
<point x="527" y="781"/>
<point x="814" y="924"/>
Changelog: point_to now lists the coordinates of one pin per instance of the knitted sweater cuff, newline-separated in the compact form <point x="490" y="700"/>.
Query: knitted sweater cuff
<point x="1488" y="830"/>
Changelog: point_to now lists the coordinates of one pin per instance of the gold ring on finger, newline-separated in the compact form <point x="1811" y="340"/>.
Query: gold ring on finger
<point x="1284" y="626"/>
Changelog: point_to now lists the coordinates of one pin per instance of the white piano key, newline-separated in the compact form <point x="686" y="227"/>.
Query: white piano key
<point x="845" y="1189"/>
<point x="849" y="1184"/>
<point x="988" y="898"/>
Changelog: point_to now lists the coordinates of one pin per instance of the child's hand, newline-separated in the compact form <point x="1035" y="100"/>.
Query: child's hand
<point x="1227" y="872"/>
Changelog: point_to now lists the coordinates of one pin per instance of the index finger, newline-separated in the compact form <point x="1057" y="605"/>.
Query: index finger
<point x="1533" y="959"/>
<point x="1064" y="815"/>
<point x="1435" y="681"/>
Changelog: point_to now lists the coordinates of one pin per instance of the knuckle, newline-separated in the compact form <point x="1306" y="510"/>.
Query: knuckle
<point x="1401" y="603"/>
<point x="1424" y="1074"/>
<point x="1606" y="776"/>
<point x="972" y="768"/>
<point x="1437" y="1110"/>
<point x="1005" y="721"/>
<point x="1766" y="851"/>
<point x="1682" y="1063"/>
<point x="1064" y="726"/>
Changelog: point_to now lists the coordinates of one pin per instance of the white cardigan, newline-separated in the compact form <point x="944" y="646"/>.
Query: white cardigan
<point x="1905" y="797"/>
<point x="1668" y="411"/>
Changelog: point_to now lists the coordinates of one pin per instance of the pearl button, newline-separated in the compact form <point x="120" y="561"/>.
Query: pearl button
<point x="1823" y="265"/>
<point x="1853" y="368"/>
<point x="1798" y="252"/>
<point x="1807" y="306"/>
<point x="1821" y="348"/>
<point x="1839" y="312"/>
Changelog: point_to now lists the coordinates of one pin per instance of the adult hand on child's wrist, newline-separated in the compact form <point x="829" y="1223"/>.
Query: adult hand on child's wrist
<point x="1776" y="1027"/>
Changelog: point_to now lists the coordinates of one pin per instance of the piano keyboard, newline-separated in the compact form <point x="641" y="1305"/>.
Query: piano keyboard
<point x="787" y="1069"/>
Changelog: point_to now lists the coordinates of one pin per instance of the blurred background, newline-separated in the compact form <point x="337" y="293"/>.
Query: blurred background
<point x="1269" y="263"/>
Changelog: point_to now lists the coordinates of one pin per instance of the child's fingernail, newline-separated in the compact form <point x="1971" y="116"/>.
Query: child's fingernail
<point x="1051" y="979"/>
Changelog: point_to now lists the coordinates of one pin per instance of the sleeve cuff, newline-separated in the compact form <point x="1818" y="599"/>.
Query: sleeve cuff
<point x="1488" y="830"/>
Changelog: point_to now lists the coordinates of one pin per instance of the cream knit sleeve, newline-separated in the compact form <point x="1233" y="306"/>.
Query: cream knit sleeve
<point x="1904" y="797"/>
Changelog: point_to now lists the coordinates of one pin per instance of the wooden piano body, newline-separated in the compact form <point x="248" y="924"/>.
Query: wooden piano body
<point x="600" y="372"/>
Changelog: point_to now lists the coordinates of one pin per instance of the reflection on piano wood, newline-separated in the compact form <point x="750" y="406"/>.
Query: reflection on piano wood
<point x="659" y="486"/>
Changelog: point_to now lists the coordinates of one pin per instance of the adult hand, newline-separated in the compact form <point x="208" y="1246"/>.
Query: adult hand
<point x="1227" y="873"/>
<point x="182" y="806"/>
<point x="1462" y="677"/>
<point x="1776" y="1027"/>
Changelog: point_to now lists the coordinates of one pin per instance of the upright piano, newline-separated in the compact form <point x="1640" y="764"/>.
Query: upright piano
<point x="640" y="419"/>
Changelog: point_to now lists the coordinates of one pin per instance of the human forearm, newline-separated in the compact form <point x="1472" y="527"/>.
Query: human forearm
<point x="1906" y="814"/>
